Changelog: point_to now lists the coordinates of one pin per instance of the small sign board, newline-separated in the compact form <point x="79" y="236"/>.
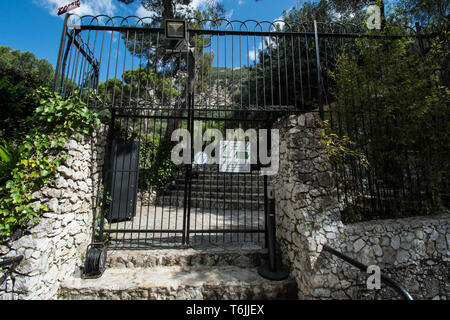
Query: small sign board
<point x="234" y="156"/>
<point x="200" y="158"/>
<point x="65" y="9"/>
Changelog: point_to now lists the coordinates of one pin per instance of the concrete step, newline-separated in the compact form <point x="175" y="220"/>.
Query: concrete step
<point x="218" y="187"/>
<point x="213" y="203"/>
<point x="242" y="255"/>
<point x="234" y="196"/>
<point x="178" y="283"/>
<point x="224" y="181"/>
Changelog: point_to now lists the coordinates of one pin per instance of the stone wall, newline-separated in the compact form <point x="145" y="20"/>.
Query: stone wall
<point x="54" y="248"/>
<point x="413" y="251"/>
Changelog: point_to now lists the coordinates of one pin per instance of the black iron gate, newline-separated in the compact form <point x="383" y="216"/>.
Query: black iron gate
<point x="235" y="75"/>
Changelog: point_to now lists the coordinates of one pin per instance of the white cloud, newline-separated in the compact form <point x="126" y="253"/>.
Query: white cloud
<point x="229" y="14"/>
<point x="263" y="44"/>
<point x="202" y="3"/>
<point x="112" y="7"/>
<point x="142" y="12"/>
<point x="88" y="7"/>
<point x="195" y="4"/>
<point x="240" y="2"/>
<point x="252" y="55"/>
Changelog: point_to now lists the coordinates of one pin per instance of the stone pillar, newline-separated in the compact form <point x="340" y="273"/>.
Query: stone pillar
<point x="308" y="210"/>
<point x="54" y="247"/>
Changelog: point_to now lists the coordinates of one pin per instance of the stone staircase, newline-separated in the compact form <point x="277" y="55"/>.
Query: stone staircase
<point x="211" y="189"/>
<point x="204" y="272"/>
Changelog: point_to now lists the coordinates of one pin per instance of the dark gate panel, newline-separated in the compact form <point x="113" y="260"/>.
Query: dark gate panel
<point x="123" y="180"/>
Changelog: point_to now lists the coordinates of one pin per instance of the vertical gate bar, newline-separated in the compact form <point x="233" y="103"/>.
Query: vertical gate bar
<point x="164" y="195"/>
<point x="278" y="69"/>
<point x="107" y="71"/>
<point x="187" y="185"/>
<point x="189" y="177"/>
<point x="308" y="69"/>
<point x="193" y="151"/>
<point x="84" y="63"/>
<point x="300" y="72"/>
<point x="256" y="71"/>
<point x="147" y="189"/>
<point x="115" y="70"/>
<point x="266" y="203"/>
<point x="319" y="80"/>
<point x="114" y="168"/>
<point x="127" y="126"/>
<point x="75" y="69"/>
<point x="224" y="182"/>
<point x="142" y="133"/>
<point x="155" y="122"/>
<point x="186" y="166"/>
<point x="66" y="72"/>
<point x="285" y="43"/>
<point x="132" y="134"/>
<point x="63" y="70"/>
<point x="97" y="81"/>
<point x="106" y="173"/>
<point x="176" y="191"/>
<point x="293" y="71"/>
<point x="61" y="51"/>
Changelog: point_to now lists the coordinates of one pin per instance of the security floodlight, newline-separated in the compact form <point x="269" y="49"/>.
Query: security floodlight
<point x="176" y="35"/>
<point x="175" y="29"/>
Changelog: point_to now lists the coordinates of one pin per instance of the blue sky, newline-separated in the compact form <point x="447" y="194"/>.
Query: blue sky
<point x="32" y="25"/>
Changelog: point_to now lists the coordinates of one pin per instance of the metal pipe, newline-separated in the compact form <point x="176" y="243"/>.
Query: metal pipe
<point x="11" y="261"/>
<point x="271" y="228"/>
<point x="393" y="284"/>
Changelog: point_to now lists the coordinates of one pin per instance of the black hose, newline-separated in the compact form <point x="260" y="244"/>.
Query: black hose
<point x="393" y="284"/>
<point x="14" y="260"/>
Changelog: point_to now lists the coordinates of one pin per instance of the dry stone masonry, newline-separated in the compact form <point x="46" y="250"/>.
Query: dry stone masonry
<point x="413" y="251"/>
<point x="53" y="249"/>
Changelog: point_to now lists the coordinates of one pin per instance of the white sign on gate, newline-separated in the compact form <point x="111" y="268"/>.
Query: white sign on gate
<point x="234" y="156"/>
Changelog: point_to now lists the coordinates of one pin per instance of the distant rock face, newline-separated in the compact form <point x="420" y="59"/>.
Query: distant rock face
<point x="213" y="98"/>
<point x="413" y="251"/>
<point x="54" y="247"/>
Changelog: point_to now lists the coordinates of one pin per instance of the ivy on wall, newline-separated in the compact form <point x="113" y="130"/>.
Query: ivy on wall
<point x="25" y="168"/>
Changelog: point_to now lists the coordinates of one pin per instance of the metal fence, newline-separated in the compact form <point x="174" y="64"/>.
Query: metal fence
<point x="237" y="75"/>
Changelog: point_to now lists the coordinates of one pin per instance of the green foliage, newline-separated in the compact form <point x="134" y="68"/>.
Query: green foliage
<point x="155" y="160"/>
<point x="27" y="167"/>
<point x="20" y="74"/>
<point x="141" y="84"/>
<point x="341" y="150"/>
<point x="24" y="66"/>
<point x="104" y="207"/>
<point x="393" y="104"/>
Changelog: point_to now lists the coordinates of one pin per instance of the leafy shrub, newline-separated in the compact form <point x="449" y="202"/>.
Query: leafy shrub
<point x="27" y="167"/>
<point x="157" y="168"/>
<point x="392" y="103"/>
<point x="20" y="74"/>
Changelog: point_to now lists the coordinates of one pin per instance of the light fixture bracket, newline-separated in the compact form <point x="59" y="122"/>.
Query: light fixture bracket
<point x="176" y="36"/>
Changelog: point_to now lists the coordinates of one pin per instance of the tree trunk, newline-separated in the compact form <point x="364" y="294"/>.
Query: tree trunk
<point x="174" y="123"/>
<point x="168" y="9"/>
